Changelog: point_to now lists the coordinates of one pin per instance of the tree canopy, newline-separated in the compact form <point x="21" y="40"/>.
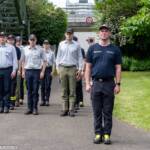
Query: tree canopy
<point x="46" y="20"/>
<point x="130" y="22"/>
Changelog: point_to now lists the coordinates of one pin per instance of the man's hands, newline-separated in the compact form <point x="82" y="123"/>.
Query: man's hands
<point x="78" y="75"/>
<point x="41" y="75"/>
<point x="13" y="74"/>
<point x="88" y="87"/>
<point x="117" y="89"/>
<point x="23" y="74"/>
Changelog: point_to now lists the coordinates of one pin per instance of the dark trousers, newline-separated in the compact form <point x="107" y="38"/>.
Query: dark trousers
<point x="79" y="92"/>
<point x="102" y="96"/>
<point x="5" y="87"/>
<point x="20" y="88"/>
<point x="13" y="91"/>
<point x="32" y="79"/>
<point x="46" y="85"/>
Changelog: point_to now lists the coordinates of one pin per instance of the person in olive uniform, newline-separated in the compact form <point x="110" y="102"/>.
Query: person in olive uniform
<point x="69" y="62"/>
<point x="103" y="65"/>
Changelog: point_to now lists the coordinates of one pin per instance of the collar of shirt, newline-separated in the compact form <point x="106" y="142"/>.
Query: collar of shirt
<point x="4" y="45"/>
<point x="47" y="50"/>
<point x="34" y="48"/>
<point x="68" y="42"/>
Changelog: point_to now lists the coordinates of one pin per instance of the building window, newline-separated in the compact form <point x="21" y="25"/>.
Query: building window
<point x="83" y="1"/>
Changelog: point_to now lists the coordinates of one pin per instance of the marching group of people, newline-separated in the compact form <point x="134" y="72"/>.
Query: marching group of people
<point x="36" y="64"/>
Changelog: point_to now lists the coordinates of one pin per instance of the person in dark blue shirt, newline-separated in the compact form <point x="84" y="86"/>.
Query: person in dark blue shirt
<point x="79" y="87"/>
<point x="11" y="41"/>
<point x="103" y="65"/>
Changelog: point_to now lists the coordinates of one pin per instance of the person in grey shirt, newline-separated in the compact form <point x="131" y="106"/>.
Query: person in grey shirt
<point x="8" y="67"/>
<point x="34" y="63"/>
<point x="47" y="80"/>
<point x="69" y="62"/>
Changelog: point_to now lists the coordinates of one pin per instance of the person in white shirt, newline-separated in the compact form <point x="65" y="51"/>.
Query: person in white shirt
<point x="69" y="63"/>
<point x="8" y="68"/>
<point x="47" y="80"/>
<point x="34" y="63"/>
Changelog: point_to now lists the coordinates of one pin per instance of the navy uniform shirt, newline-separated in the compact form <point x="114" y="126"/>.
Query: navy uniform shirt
<point x="103" y="60"/>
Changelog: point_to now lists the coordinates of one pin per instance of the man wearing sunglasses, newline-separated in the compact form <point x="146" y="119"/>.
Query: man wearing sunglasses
<point x="103" y="65"/>
<point x="34" y="64"/>
<point x="8" y="68"/>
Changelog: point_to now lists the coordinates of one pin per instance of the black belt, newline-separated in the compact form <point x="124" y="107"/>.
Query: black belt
<point x="68" y="66"/>
<point x="6" y="68"/>
<point x="48" y="67"/>
<point x="103" y="79"/>
<point x="32" y="69"/>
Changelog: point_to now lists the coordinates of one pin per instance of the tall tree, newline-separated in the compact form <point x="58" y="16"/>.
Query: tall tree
<point x="114" y="12"/>
<point x="47" y="21"/>
<point x="130" y="22"/>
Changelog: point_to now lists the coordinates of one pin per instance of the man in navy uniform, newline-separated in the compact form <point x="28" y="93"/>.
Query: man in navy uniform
<point x="33" y="63"/>
<point x="103" y="65"/>
<point x="8" y="68"/>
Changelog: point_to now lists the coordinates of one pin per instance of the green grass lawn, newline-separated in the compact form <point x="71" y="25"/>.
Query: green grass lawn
<point x="133" y="103"/>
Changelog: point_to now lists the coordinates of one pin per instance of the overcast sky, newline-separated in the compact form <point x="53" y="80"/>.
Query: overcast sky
<point x="61" y="3"/>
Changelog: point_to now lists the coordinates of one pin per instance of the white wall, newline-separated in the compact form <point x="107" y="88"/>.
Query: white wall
<point x="62" y="3"/>
<point x="82" y="36"/>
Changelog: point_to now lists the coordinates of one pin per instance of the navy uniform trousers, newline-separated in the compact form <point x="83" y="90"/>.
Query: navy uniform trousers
<point x="46" y="85"/>
<point x="5" y="87"/>
<point x="32" y="80"/>
<point x="102" y="96"/>
<point x="20" y="88"/>
<point x="13" y="92"/>
<point x="79" y="92"/>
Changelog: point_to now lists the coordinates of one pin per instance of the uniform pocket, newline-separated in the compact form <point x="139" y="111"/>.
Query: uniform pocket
<point x="7" y="53"/>
<point x="97" y="54"/>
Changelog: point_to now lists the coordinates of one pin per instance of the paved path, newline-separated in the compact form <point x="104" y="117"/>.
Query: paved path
<point x="49" y="131"/>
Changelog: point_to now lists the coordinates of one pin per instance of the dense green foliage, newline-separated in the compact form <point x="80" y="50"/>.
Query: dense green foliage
<point x="132" y="64"/>
<point x="130" y="22"/>
<point x="47" y="22"/>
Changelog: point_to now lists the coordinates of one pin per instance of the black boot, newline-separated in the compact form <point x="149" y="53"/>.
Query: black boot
<point x="6" y="110"/>
<point x="71" y="113"/>
<point x="64" y="113"/>
<point x="35" y="112"/>
<point x="28" y="112"/>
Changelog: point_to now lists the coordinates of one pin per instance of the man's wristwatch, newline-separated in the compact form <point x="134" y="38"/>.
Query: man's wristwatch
<point x="118" y="83"/>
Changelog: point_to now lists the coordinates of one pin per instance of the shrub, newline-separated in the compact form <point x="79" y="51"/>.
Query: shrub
<point x="132" y="64"/>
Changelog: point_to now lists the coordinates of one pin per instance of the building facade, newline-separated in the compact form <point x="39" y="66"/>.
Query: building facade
<point x="81" y="19"/>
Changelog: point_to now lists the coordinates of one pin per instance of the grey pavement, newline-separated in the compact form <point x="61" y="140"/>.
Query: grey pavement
<point x="49" y="131"/>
